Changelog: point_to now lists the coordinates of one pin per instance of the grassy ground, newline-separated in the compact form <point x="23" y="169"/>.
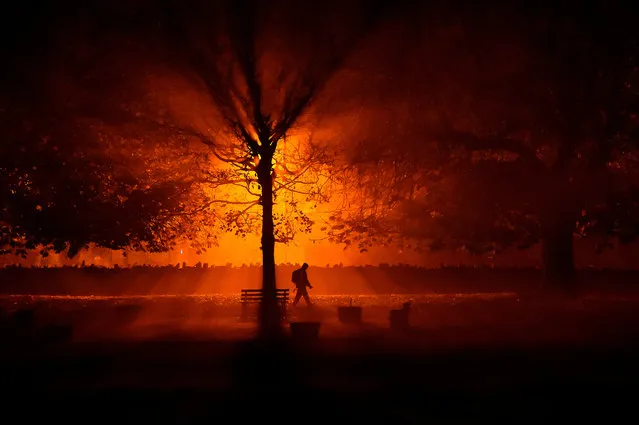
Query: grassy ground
<point x="469" y="358"/>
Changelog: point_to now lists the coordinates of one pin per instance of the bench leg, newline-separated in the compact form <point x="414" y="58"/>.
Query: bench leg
<point x="244" y="316"/>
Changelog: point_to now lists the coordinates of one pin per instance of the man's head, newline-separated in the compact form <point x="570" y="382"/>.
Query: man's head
<point x="304" y="266"/>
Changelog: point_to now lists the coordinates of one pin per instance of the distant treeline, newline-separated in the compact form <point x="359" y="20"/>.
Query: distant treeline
<point x="203" y="279"/>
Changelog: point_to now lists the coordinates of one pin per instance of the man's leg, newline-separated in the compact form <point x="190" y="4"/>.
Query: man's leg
<point x="298" y="295"/>
<point x="306" y="298"/>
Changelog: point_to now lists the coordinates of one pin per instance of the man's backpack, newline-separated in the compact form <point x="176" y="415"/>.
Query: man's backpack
<point x="297" y="276"/>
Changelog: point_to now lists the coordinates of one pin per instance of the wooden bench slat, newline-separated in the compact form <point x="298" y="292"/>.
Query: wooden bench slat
<point x="261" y="296"/>
<point x="259" y="291"/>
<point x="259" y="299"/>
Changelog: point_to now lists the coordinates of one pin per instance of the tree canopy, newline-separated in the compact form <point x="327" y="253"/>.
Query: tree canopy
<point x="527" y="134"/>
<point x="68" y="180"/>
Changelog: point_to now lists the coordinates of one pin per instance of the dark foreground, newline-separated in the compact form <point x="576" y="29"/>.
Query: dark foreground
<point x="334" y="380"/>
<point x="466" y="360"/>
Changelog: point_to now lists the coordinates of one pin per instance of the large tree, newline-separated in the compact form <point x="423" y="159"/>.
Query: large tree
<point x="527" y="134"/>
<point x="258" y="67"/>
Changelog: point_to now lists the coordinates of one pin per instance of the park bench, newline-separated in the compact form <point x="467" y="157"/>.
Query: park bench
<point x="255" y="296"/>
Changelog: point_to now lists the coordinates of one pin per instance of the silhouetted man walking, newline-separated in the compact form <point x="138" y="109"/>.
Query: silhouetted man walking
<point x="300" y="279"/>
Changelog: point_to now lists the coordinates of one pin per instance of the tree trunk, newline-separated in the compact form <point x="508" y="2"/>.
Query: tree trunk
<point x="269" y="309"/>
<point x="557" y="229"/>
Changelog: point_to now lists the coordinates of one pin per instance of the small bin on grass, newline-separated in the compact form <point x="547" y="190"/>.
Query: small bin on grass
<point x="399" y="319"/>
<point x="351" y="315"/>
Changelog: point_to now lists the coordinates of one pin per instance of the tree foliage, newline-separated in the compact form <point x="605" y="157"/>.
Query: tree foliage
<point x="67" y="181"/>
<point x="256" y="68"/>
<point x="527" y="129"/>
